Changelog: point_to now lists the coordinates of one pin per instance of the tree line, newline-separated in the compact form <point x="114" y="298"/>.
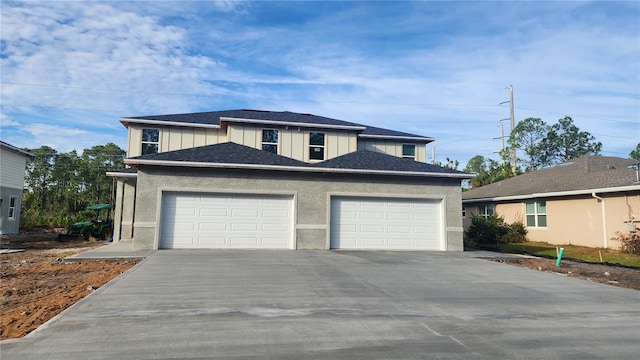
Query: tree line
<point x="59" y="186"/>
<point x="537" y="145"/>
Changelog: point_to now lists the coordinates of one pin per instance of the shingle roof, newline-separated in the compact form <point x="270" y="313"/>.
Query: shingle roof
<point x="235" y="154"/>
<point x="584" y="173"/>
<point x="10" y="147"/>
<point x="213" y="118"/>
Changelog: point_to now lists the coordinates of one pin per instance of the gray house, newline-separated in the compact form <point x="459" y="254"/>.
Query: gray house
<point x="246" y="179"/>
<point x="12" y="165"/>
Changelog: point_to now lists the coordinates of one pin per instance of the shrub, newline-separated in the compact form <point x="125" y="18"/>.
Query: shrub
<point x="629" y="242"/>
<point x="493" y="230"/>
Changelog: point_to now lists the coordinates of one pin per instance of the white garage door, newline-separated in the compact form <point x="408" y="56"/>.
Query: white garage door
<point x="391" y="224"/>
<point x="224" y="221"/>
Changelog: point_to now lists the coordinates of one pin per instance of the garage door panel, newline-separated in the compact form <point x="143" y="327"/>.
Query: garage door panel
<point x="385" y="223"/>
<point x="199" y="220"/>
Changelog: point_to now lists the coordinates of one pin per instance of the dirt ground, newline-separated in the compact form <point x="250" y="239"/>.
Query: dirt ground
<point x="602" y="273"/>
<point x="38" y="283"/>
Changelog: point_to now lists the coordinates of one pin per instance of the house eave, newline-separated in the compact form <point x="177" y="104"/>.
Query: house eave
<point x="291" y="123"/>
<point x="426" y="140"/>
<point x="127" y="121"/>
<point x="553" y="194"/>
<point x="296" y="169"/>
<point x="115" y="174"/>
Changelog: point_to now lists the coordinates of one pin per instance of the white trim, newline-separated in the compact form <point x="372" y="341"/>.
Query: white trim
<point x="554" y="194"/>
<point x="288" y="123"/>
<point x="293" y="168"/>
<point x="126" y="121"/>
<point x="394" y="137"/>
<point x="116" y="174"/>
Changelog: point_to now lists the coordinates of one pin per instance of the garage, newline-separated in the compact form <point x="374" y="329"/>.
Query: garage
<point x="226" y="221"/>
<point x="385" y="224"/>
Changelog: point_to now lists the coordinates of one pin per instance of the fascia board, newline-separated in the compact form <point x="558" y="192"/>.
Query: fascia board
<point x="391" y="137"/>
<point x="14" y="149"/>
<point x="116" y="174"/>
<point x="554" y="194"/>
<point x="295" y="168"/>
<point x="289" y="123"/>
<point x="126" y="121"/>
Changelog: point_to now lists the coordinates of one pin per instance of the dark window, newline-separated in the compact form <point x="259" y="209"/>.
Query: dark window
<point x="13" y="201"/>
<point x="150" y="141"/>
<point x="409" y="151"/>
<point x="270" y="140"/>
<point x="316" y="146"/>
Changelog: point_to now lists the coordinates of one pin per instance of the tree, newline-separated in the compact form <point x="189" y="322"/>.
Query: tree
<point x="565" y="141"/>
<point x="38" y="175"/>
<point x="451" y="164"/>
<point x="635" y="154"/>
<point x="528" y="140"/>
<point x="487" y="171"/>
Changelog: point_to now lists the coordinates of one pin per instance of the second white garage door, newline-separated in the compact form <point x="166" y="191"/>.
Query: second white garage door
<point x="385" y="224"/>
<point x="224" y="221"/>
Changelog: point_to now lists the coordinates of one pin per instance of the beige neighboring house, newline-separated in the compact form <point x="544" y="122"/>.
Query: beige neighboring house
<point x="12" y="166"/>
<point x="250" y="179"/>
<point x="581" y="202"/>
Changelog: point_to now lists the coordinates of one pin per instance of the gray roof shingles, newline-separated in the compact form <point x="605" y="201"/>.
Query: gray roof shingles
<point x="232" y="153"/>
<point x="213" y="118"/>
<point x="584" y="173"/>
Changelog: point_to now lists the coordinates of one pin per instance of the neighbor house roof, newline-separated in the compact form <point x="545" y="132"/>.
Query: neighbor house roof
<point x="232" y="155"/>
<point x="584" y="175"/>
<point x="14" y="149"/>
<point x="217" y="119"/>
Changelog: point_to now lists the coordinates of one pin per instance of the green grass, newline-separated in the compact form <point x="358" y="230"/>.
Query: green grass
<point x="574" y="252"/>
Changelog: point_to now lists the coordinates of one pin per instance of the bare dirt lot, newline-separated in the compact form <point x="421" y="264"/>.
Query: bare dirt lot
<point x="38" y="283"/>
<point x="602" y="273"/>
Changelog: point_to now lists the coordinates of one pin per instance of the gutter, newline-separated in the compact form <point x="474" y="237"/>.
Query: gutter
<point x="116" y="174"/>
<point x="126" y="121"/>
<point x="605" y="240"/>
<point x="296" y="168"/>
<point x="394" y="137"/>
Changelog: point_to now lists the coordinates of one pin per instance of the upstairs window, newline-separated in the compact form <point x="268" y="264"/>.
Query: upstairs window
<point x="13" y="202"/>
<point x="150" y="141"/>
<point x="270" y="140"/>
<point x="409" y="151"/>
<point x="536" y="213"/>
<point x="485" y="210"/>
<point x="316" y="146"/>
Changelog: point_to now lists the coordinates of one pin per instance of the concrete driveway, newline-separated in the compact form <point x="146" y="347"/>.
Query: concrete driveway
<point x="339" y="305"/>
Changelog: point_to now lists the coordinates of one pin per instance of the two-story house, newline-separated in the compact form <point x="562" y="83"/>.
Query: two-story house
<point x="12" y="164"/>
<point x="247" y="179"/>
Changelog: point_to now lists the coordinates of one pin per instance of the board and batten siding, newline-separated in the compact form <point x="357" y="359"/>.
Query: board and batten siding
<point x="175" y="138"/>
<point x="392" y="148"/>
<point x="13" y="165"/>
<point x="294" y="142"/>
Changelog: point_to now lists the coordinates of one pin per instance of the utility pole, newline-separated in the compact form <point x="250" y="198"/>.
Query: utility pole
<point x="501" y="152"/>
<point x="513" y="125"/>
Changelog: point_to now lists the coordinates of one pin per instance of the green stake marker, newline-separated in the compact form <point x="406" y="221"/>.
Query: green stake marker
<point x="559" y="256"/>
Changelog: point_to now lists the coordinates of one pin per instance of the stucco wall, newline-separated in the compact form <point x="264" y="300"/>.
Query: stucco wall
<point x="577" y="220"/>
<point x="312" y="194"/>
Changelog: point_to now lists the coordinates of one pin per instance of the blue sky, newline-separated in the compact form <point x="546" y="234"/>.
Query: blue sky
<point x="440" y="69"/>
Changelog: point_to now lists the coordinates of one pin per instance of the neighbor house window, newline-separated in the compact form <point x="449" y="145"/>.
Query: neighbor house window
<point x="13" y="202"/>
<point x="409" y="151"/>
<point x="485" y="210"/>
<point x="536" y="213"/>
<point x="316" y="146"/>
<point x="150" y="141"/>
<point x="270" y="140"/>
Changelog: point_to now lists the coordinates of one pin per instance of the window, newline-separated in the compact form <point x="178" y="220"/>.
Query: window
<point x="464" y="212"/>
<point x="150" y="141"/>
<point x="485" y="210"/>
<point x="316" y="146"/>
<point x="409" y="151"/>
<point x="13" y="201"/>
<point x="536" y="213"/>
<point x="270" y="140"/>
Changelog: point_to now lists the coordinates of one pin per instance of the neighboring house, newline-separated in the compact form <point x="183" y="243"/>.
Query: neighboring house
<point x="581" y="202"/>
<point x="12" y="166"/>
<point x="246" y="179"/>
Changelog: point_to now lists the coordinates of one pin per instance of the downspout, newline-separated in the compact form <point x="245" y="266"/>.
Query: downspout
<point x="605" y="240"/>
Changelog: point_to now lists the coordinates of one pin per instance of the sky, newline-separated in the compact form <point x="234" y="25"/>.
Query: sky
<point x="70" y="69"/>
